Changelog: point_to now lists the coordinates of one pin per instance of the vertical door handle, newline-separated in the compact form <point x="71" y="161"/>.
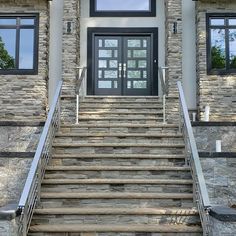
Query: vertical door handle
<point x="124" y="70"/>
<point x="120" y="70"/>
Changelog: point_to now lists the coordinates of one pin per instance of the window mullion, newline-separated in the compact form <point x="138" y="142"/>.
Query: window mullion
<point x="227" y="48"/>
<point x="17" y="43"/>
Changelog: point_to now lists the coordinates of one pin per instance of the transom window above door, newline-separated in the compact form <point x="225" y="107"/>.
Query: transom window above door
<point x="122" y="8"/>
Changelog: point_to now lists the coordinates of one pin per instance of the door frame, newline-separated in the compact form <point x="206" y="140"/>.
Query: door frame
<point x="100" y="31"/>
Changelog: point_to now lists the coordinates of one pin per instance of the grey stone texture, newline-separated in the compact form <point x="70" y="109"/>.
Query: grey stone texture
<point x="220" y="228"/>
<point x="206" y="137"/>
<point x="13" y="173"/>
<point x="219" y="92"/>
<point x="220" y="178"/>
<point x="19" y="139"/>
<point x="9" y="228"/>
<point x="25" y="96"/>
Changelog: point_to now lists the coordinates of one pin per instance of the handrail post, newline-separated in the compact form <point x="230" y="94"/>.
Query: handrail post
<point x="77" y="108"/>
<point x="164" y="90"/>
<point x="80" y="88"/>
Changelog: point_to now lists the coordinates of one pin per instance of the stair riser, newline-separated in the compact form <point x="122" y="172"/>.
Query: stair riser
<point x="125" y="130"/>
<point x="119" y="121"/>
<point x="115" y="234"/>
<point x="108" y="139"/>
<point x="116" y="161"/>
<point x="118" y="174"/>
<point x="121" y="116"/>
<point x="116" y="108"/>
<point x="119" y="150"/>
<point x="127" y="203"/>
<point x="115" y="219"/>
<point x="119" y="188"/>
<point x="122" y="100"/>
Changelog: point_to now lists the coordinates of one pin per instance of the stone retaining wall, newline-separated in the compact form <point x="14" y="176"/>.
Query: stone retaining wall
<point x="206" y="137"/>
<point x="25" y="96"/>
<point x="219" y="92"/>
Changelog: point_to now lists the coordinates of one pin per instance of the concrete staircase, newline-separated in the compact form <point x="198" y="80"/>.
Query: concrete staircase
<point x="119" y="172"/>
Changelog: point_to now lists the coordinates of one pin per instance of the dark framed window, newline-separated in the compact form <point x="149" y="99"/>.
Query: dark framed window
<point x="221" y="43"/>
<point x="123" y="8"/>
<point x="19" y="43"/>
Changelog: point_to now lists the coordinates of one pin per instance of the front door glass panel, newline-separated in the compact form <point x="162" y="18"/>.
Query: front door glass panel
<point x="122" y="65"/>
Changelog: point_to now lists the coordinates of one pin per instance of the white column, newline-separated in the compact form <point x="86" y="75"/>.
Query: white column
<point x="55" y="46"/>
<point x="189" y="52"/>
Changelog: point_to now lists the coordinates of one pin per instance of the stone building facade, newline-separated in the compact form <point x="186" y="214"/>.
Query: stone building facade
<point x="24" y="97"/>
<point x="217" y="91"/>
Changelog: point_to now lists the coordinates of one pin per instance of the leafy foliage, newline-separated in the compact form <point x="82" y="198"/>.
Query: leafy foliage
<point x="6" y="61"/>
<point x="217" y="58"/>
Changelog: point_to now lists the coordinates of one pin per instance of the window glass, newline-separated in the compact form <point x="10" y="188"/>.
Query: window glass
<point x="26" y="49"/>
<point x="232" y="48"/>
<point x="232" y="21"/>
<point x="222" y="44"/>
<point x="27" y="21"/>
<point x="7" y="48"/>
<point x="217" y="22"/>
<point x="123" y="5"/>
<point x="218" y="48"/>
<point x="7" y="21"/>
<point x="17" y="44"/>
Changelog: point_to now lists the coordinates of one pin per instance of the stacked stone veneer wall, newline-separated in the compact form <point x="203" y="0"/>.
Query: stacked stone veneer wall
<point x="173" y="11"/>
<point x="70" y="57"/>
<point x="17" y="147"/>
<point x="219" y="92"/>
<point x="25" y="96"/>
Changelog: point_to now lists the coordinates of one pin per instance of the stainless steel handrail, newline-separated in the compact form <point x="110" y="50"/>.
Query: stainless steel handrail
<point x="80" y="88"/>
<point x="192" y="158"/>
<point x="162" y="73"/>
<point x="30" y="196"/>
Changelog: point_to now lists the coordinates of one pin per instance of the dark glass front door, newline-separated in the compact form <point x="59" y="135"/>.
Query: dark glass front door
<point x="122" y="65"/>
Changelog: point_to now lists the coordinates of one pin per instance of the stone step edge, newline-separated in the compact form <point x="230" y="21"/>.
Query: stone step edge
<point x="149" y="135"/>
<point x="118" y="181"/>
<point x="115" y="125"/>
<point x="120" y="112"/>
<point x="120" y="106"/>
<point x="148" y="145"/>
<point x="111" y="195"/>
<point x="110" y="101"/>
<point x="120" y="118"/>
<point x="117" y="168"/>
<point x="125" y="156"/>
<point x="74" y="228"/>
<point x="116" y="211"/>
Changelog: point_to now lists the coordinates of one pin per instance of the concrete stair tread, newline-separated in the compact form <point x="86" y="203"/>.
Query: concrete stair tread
<point x="117" y="195"/>
<point x="115" y="125"/>
<point x="118" y="181"/>
<point x="121" y="97"/>
<point x="119" y="112"/>
<point x="117" y="211"/>
<point x="120" y="106"/>
<point x="117" y="168"/>
<point x="146" y="135"/>
<point x="150" y="145"/>
<point x="125" y="156"/>
<point x="120" y="118"/>
<point x="116" y="228"/>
